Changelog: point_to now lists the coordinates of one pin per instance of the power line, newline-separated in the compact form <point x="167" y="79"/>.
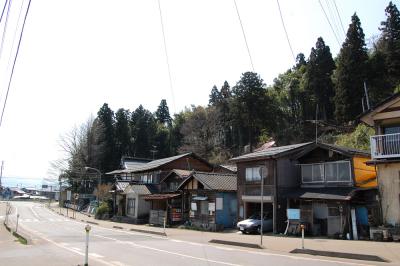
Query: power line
<point x="334" y="19"/>
<point x="167" y="58"/>
<point x="286" y="33"/>
<point x="329" y="22"/>
<point x="244" y="36"/>
<point x="4" y="8"/>
<point x="5" y="28"/>
<point x="340" y="19"/>
<point x="15" y="60"/>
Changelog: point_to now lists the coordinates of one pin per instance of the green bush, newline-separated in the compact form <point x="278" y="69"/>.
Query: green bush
<point x="102" y="210"/>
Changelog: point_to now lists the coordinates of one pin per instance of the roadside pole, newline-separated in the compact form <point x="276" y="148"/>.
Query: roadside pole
<point x="302" y="236"/>
<point x="263" y="173"/>
<point x="16" y="227"/>
<point x="87" y="229"/>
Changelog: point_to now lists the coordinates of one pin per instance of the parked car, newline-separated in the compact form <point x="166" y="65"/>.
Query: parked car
<point x="253" y="224"/>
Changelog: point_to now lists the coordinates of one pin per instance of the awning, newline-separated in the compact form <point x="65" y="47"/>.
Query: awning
<point x="199" y="198"/>
<point x="160" y="196"/>
<point x="334" y="193"/>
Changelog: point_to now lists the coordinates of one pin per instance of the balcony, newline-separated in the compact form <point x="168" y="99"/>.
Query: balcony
<point x="385" y="146"/>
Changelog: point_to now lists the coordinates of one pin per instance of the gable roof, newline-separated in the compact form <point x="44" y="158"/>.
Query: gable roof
<point x="153" y="165"/>
<point x="141" y="189"/>
<point x="346" y="151"/>
<point x="213" y="181"/>
<point x="179" y="172"/>
<point x="273" y="152"/>
<point x="367" y="116"/>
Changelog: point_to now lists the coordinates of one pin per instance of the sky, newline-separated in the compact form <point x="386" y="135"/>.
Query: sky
<point x="76" y="55"/>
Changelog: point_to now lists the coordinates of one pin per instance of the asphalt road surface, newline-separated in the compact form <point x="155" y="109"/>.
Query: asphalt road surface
<point x="60" y="241"/>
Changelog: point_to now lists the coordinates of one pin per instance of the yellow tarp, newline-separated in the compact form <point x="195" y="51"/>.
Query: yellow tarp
<point x="365" y="175"/>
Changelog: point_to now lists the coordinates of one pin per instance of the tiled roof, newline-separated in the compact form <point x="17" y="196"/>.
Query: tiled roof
<point x="215" y="181"/>
<point x="157" y="163"/>
<point x="270" y="152"/>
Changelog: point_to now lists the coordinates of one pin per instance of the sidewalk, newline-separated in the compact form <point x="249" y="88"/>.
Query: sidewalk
<point x="273" y="244"/>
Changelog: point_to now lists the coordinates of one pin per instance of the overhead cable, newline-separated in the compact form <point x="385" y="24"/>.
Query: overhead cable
<point x="4" y="8"/>
<point x="329" y="22"/>
<point x="340" y="19"/>
<point x="286" y="33"/>
<point x="244" y="36"/>
<point x="167" y="58"/>
<point x="15" y="60"/>
<point x="5" y="28"/>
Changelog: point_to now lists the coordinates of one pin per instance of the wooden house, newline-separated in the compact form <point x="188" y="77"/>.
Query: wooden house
<point x="151" y="173"/>
<point x="385" y="153"/>
<point x="337" y="194"/>
<point x="281" y="175"/>
<point x="210" y="200"/>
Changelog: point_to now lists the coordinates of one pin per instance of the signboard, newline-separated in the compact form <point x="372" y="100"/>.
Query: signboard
<point x="211" y="206"/>
<point x="293" y="214"/>
<point x="193" y="206"/>
<point x="69" y="194"/>
<point x="220" y="204"/>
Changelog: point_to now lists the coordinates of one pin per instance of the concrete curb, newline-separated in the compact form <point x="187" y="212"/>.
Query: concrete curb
<point x="148" y="232"/>
<point x="232" y="243"/>
<point x="343" y="255"/>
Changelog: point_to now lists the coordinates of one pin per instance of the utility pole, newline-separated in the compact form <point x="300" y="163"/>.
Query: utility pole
<point x="1" y="171"/>
<point x="366" y="95"/>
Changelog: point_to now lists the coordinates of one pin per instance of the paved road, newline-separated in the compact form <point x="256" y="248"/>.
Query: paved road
<point x="61" y="241"/>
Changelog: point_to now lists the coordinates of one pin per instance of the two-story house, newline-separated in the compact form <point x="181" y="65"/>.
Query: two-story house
<point x="281" y="175"/>
<point x="385" y="152"/>
<point x="337" y="194"/>
<point x="144" y="179"/>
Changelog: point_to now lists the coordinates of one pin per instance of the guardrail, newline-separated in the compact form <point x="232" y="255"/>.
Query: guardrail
<point x="385" y="146"/>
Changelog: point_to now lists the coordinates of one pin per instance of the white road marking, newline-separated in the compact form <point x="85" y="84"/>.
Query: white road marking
<point x="51" y="220"/>
<point x="77" y="249"/>
<point x="233" y="249"/>
<point x="118" y="263"/>
<point x="34" y="213"/>
<point x="169" y="252"/>
<point x="96" y="255"/>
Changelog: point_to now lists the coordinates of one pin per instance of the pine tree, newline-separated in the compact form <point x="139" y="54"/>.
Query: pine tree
<point x="351" y="73"/>
<point x="215" y="96"/>
<point x="143" y="130"/>
<point x="317" y="80"/>
<point x="122" y="132"/>
<point x="162" y="113"/>
<point x="105" y="117"/>
<point x="390" y="42"/>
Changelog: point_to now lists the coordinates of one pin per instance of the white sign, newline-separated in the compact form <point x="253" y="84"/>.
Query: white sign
<point x="211" y="206"/>
<point x="69" y="194"/>
<point x="220" y="204"/>
<point x="193" y="206"/>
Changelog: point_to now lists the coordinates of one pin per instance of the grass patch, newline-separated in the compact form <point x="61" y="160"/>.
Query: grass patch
<point x="20" y="238"/>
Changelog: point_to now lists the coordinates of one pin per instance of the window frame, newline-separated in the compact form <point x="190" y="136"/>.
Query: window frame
<point x="324" y="176"/>
<point x="252" y="174"/>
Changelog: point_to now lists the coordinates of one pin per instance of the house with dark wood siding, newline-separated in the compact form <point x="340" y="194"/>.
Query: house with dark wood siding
<point x="282" y="174"/>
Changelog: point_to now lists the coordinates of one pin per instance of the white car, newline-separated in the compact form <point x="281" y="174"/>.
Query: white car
<point x="253" y="224"/>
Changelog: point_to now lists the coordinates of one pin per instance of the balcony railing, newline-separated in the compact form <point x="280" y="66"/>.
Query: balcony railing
<point x="385" y="146"/>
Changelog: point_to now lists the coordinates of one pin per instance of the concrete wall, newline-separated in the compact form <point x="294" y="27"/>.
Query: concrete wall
<point x="389" y="188"/>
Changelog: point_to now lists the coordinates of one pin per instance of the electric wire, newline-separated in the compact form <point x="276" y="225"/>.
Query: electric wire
<point x="166" y="57"/>
<point x="15" y="60"/>
<point x="340" y="19"/>
<point x="244" y="36"/>
<point x="5" y="29"/>
<point x="329" y="22"/>
<point x="286" y="33"/>
<point x="4" y="8"/>
<point x="333" y="17"/>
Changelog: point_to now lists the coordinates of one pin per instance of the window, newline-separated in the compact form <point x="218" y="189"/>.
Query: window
<point x="329" y="172"/>
<point x="131" y="207"/>
<point x="253" y="174"/>
<point x="204" y="207"/>
<point x="312" y="173"/>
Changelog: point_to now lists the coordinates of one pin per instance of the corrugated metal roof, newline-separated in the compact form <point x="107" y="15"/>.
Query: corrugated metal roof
<point x="161" y="196"/>
<point x="141" y="189"/>
<point x="270" y="152"/>
<point x="215" y="181"/>
<point x="121" y="186"/>
<point x="133" y="165"/>
<point x="230" y="167"/>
